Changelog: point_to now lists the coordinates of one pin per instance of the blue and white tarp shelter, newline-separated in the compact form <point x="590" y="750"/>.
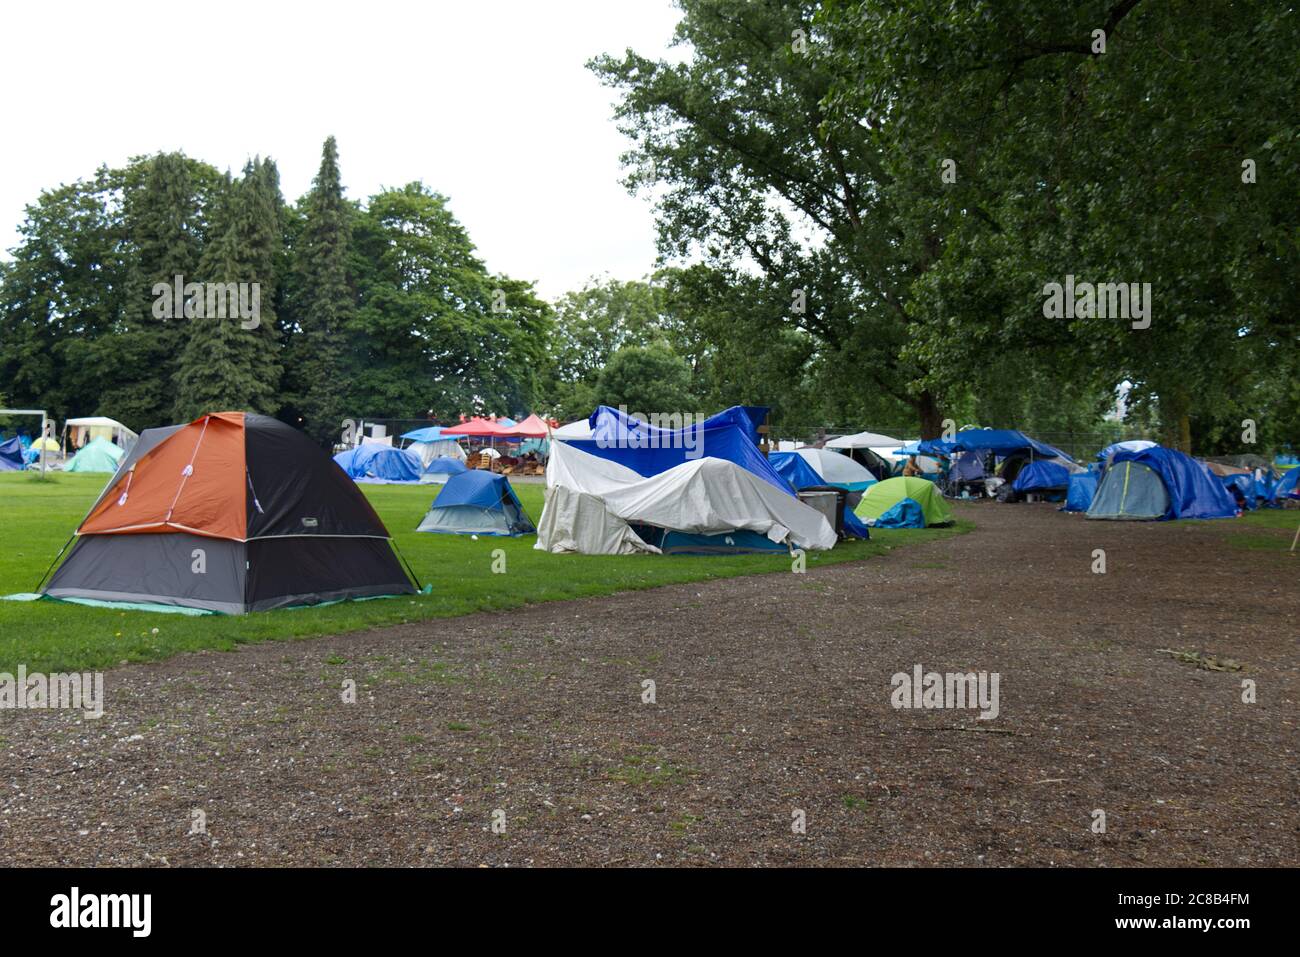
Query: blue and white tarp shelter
<point x="1042" y="476"/>
<point x="477" y="502"/>
<point x="380" y="463"/>
<point x="597" y="505"/>
<point x="1080" y="492"/>
<point x="11" y="455"/>
<point x="835" y="468"/>
<point x="794" y="468"/>
<point x="1159" y="484"/>
<point x="442" y="469"/>
<point x="730" y="435"/>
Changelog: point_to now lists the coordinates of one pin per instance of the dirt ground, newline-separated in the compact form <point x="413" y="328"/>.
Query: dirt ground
<point x="772" y="700"/>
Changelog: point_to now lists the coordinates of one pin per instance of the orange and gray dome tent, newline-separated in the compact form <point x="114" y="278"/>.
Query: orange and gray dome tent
<point x="231" y="513"/>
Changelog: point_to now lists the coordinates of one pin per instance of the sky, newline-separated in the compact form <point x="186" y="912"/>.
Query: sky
<point x="488" y="103"/>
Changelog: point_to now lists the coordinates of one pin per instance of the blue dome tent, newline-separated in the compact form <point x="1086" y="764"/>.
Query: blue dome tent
<point x="477" y="503"/>
<point x="1159" y="484"/>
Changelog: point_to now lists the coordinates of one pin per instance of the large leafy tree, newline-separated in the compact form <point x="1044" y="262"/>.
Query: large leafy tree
<point x="1110" y="140"/>
<point x="435" y="332"/>
<point x="753" y="174"/>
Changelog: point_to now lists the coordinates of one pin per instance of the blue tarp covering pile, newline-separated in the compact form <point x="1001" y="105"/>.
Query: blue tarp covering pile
<point x="1079" y="494"/>
<point x="1041" y="476"/>
<point x="379" y="462"/>
<point x="794" y="468"/>
<point x="907" y="513"/>
<point x="11" y="455"/>
<point x="646" y="450"/>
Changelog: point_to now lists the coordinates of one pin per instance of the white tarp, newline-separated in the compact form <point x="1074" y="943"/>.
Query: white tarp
<point x="707" y="496"/>
<point x="441" y="449"/>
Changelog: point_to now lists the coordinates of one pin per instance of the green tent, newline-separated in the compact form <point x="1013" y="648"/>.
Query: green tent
<point x="904" y="502"/>
<point x="97" y="455"/>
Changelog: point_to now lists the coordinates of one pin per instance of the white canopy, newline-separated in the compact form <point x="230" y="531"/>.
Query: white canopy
<point x="102" y="427"/>
<point x="580" y="429"/>
<point x="864" y="440"/>
<point x="590" y="502"/>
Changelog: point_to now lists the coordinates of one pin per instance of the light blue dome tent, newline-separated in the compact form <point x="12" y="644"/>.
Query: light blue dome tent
<point x="477" y="502"/>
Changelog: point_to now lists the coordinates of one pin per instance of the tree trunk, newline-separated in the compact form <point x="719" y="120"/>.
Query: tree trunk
<point x="927" y="408"/>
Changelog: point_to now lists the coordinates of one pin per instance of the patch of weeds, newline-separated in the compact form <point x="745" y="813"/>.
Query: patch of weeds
<point x="1203" y="661"/>
<point x="855" y="803"/>
<point x="459" y="726"/>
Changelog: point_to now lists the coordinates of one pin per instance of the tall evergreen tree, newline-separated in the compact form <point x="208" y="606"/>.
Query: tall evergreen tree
<point x="322" y="303"/>
<point x="233" y="364"/>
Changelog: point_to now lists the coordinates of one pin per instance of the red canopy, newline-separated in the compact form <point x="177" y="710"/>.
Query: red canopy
<point x="530" y="428"/>
<point x="478" y="427"/>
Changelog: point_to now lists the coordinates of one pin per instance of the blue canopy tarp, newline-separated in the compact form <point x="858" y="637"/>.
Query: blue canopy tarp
<point x="1040" y="476"/>
<point x="381" y="462"/>
<point x="1194" y="491"/>
<point x="432" y="433"/>
<point x="648" y="450"/>
<point x="1079" y="493"/>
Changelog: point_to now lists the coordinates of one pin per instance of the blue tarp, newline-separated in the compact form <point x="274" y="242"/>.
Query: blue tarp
<point x="1243" y="483"/>
<point x="998" y="441"/>
<point x="646" y="450"/>
<point x="905" y="513"/>
<point x="432" y="433"/>
<point x="794" y="468"/>
<point x="475" y="487"/>
<point x="380" y="462"/>
<point x="1288" y="486"/>
<point x="446" y="466"/>
<point x="1079" y="494"/>
<point x="1038" y="476"/>
<point x="11" y="455"/>
<point x="1194" y="491"/>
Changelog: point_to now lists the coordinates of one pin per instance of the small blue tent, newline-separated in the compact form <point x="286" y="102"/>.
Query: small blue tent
<point x="906" y="513"/>
<point x="794" y="468"/>
<point x="477" y="502"/>
<point x="1159" y="483"/>
<point x="1079" y="494"/>
<point x="441" y="470"/>
<point x="11" y="455"/>
<point x="379" y="463"/>
<point x="1042" y="476"/>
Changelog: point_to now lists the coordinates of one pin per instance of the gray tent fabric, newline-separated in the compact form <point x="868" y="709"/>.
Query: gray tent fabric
<point x="1130" y="491"/>
<point x="222" y="575"/>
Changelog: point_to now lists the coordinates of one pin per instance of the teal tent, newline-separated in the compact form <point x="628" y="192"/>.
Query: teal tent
<point x="97" y="455"/>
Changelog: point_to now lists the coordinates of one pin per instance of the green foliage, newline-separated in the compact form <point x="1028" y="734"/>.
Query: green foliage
<point x="646" y="379"/>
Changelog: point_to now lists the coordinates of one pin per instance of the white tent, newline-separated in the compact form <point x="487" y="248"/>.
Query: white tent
<point x="580" y="429"/>
<point x="837" y="468"/>
<point x="441" y="449"/>
<point x="590" y="502"/>
<point x="98" y="427"/>
<point x="864" y="440"/>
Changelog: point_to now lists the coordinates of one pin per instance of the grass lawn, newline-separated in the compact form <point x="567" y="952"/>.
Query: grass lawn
<point x="38" y="516"/>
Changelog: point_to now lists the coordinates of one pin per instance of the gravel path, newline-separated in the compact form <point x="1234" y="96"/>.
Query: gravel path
<point x="772" y="697"/>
